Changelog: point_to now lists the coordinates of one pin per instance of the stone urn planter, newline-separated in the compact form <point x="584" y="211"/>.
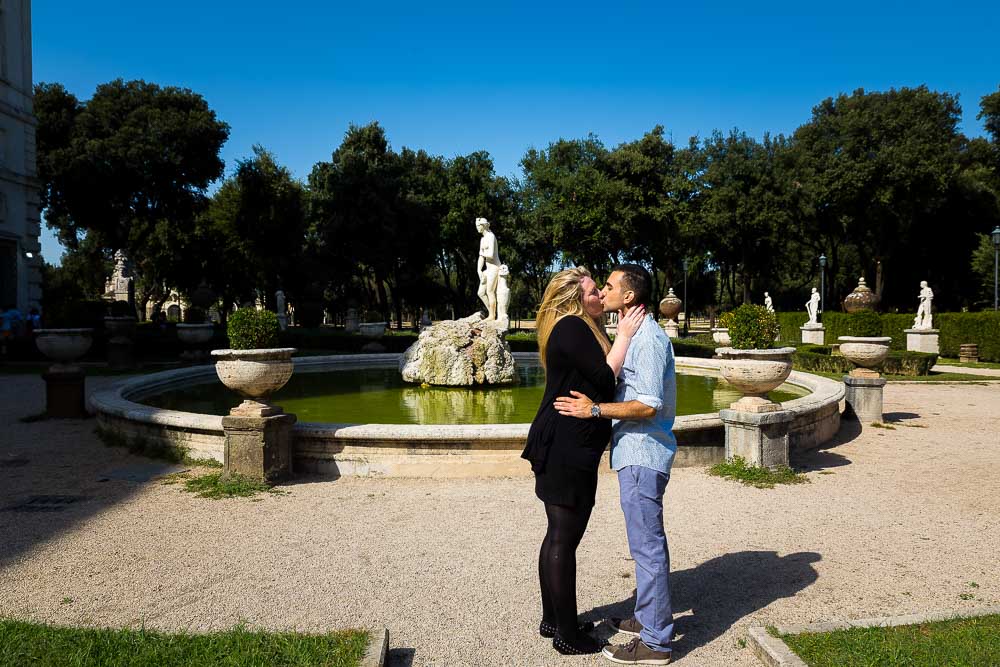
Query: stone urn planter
<point x="195" y="334"/>
<point x="65" y="388"/>
<point x="721" y="336"/>
<point x="867" y="353"/>
<point x="120" y="328"/>
<point x="254" y="375"/>
<point x="670" y="305"/>
<point x="64" y="346"/>
<point x="755" y="372"/>
<point x="862" y="298"/>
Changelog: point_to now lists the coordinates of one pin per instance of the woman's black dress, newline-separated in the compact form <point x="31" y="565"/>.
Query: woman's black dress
<point x="565" y="452"/>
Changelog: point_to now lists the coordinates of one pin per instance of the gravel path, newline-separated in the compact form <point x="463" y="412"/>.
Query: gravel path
<point x="894" y="521"/>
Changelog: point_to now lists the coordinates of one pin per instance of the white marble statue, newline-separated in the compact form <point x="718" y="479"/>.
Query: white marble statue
<point x="503" y="296"/>
<point x="281" y="308"/>
<point x="768" y="303"/>
<point x="924" y="318"/>
<point x="488" y="268"/>
<point x="812" y="306"/>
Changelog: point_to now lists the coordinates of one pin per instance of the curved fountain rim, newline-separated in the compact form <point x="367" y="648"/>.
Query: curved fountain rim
<point x="116" y="401"/>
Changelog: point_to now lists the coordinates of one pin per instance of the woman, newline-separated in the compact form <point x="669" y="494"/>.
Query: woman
<point x="565" y="452"/>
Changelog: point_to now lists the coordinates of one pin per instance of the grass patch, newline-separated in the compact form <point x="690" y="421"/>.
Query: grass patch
<point x="141" y="446"/>
<point x="757" y="476"/>
<point x="26" y="643"/>
<point x="216" y="487"/>
<point x="881" y="425"/>
<point x="957" y="643"/>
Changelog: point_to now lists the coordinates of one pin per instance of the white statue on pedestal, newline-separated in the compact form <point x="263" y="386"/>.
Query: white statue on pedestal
<point x="812" y="306"/>
<point x="488" y="268"/>
<point x="768" y="303"/>
<point x="503" y="296"/>
<point x="924" y="318"/>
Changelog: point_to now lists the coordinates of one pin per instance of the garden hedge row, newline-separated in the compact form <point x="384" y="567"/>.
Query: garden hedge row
<point x="956" y="329"/>
<point x="819" y="358"/>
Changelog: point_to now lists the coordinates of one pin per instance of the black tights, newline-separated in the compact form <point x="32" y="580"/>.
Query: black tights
<point x="557" y="566"/>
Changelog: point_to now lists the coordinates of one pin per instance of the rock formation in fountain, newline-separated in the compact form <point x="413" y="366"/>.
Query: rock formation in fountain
<point x="460" y="353"/>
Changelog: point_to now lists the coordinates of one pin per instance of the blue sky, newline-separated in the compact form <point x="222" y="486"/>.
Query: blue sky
<point x="453" y="78"/>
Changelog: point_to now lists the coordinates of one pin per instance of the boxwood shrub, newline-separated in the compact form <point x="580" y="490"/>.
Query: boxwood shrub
<point x="864" y="323"/>
<point x="252" y="329"/>
<point x="819" y="358"/>
<point x="753" y="327"/>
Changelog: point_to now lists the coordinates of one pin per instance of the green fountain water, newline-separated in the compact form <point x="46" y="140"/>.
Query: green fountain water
<point x="379" y="396"/>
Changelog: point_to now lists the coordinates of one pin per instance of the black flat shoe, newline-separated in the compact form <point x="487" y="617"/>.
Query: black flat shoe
<point x="584" y="644"/>
<point x="548" y="630"/>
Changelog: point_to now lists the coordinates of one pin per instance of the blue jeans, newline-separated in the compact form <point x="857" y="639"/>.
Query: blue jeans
<point x="642" y="502"/>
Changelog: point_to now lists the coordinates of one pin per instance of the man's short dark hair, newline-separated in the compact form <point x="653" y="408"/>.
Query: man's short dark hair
<point x="636" y="279"/>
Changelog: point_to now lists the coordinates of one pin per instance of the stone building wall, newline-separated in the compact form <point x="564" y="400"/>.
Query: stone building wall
<point x="20" y="221"/>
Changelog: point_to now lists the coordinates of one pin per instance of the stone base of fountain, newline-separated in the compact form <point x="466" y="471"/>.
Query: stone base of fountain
<point x="460" y="353"/>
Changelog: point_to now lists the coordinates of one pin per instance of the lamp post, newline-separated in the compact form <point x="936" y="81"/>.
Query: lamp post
<point x="822" y="282"/>
<point x="686" y="310"/>
<point x="996" y="251"/>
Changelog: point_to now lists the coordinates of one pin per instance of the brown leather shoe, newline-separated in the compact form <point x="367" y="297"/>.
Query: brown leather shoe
<point x="627" y="626"/>
<point x="636" y="653"/>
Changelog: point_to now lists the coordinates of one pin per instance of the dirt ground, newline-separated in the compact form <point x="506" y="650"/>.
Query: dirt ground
<point x="894" y="520"/>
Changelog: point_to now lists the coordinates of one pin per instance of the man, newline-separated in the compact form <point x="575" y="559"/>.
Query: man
<point x="642" y="450"/>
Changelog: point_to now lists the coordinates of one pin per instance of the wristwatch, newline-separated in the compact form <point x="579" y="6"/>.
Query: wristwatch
<point x="595" y="410"/>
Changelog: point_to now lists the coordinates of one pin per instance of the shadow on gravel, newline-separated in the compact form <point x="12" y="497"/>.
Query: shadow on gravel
<point x="896" y="417"/>
<point x="720" y="592"/>
<point x="400" y="657"/>
<point x="819" y="459"/>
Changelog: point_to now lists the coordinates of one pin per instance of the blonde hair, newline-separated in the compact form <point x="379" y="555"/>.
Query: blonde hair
<point x="564" y="297"/>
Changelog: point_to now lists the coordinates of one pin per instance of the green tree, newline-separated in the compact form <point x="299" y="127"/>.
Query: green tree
<point x="128" y="168"/>
<point x="250" y="238"/>
<point x="883" y="175"/>
<point x="569" y="190"/>
<point x="374" y="218"/>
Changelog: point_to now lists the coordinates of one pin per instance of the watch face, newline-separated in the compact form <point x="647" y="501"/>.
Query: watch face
<point x="595" y="410"/>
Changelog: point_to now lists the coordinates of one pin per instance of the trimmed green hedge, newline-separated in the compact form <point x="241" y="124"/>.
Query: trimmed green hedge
<point x="819" y="358"/>
<point x="956" y="328"/>
<point x="980" y="328"/>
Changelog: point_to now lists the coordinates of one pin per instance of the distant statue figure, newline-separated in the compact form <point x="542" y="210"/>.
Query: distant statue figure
<point x="924" y="318"/>
<point x="488" y="268"/>
<point x="768" y="303"/>
<point x="503" y="295"/>
<point x="812" y="307"/>
<point x="281" y="308"/>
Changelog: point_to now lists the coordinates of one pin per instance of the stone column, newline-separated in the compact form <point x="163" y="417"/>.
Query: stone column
<point x="760" y="438"/>
<point x="922" y="340"/>
<point x="258" y="447"/>
<point x="813" y="334"/>
<point x="864" y="398"/>
<point x="65" y="393"/>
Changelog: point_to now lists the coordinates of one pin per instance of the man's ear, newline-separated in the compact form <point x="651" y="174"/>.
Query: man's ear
<point x="628" y="298"/>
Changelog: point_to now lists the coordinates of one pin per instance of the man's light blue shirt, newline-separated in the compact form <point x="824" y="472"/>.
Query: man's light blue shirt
<point x="647" y="377"/>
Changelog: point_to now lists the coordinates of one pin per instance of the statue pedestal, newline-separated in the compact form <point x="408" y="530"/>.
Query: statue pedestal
<point x="672" y="328"/>
<point x="922" y="340"/>
<point x="258" y="447"/>
<point x="864" y="398"/>
<point x="760" y="438"/>
<point x="65" y="394"/>
<point x="813" y="334"/>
